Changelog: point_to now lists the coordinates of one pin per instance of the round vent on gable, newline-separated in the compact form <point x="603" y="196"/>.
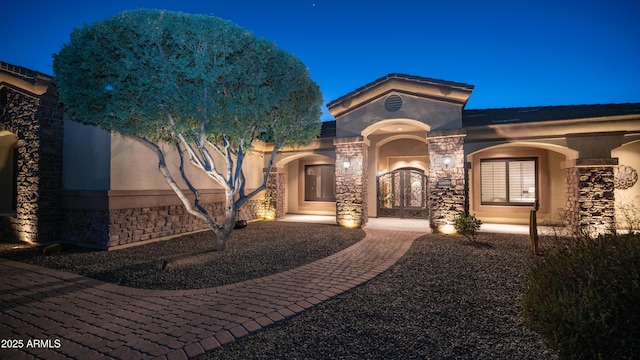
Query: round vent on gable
<point x="393" y="103"/>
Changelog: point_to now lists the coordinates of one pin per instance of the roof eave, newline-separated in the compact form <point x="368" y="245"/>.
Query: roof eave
<point x="440" y="90"/>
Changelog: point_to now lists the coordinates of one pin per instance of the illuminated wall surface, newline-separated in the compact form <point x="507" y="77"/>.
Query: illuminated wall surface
<point x="31" y="113"/>
<point x="351" y="183"/>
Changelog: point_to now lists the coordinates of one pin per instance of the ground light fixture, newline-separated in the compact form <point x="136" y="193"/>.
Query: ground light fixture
<point x="448" y="228"/>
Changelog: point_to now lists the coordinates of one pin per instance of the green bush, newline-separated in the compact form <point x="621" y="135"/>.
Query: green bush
<point x="585" y="299"/>
<point x="467" y="225"/>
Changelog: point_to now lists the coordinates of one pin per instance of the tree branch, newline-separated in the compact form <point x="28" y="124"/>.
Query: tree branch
<point x="217" y="147"/>
<point x="229" y="163"/>
<point x="239" y="161"/>
<point x="162" y="166"/>
<point x="243" y="199"/>
<point x="207" y="164"/>
<point x="195" y="192"/>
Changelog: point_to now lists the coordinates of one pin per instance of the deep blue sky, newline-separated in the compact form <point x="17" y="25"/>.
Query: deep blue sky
<point x="515" y="53"/>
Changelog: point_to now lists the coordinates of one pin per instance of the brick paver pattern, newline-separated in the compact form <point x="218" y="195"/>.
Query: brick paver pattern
<point x="91" y="319"/>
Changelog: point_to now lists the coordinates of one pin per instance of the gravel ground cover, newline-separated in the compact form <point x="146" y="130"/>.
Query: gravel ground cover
<point x="445" y="299"/>
<point x="260" y="249"/>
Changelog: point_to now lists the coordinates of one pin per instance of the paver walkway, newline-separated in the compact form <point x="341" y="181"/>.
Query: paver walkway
<point x="81" y="318"/>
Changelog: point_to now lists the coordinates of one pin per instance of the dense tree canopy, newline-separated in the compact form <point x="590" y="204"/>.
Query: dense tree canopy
<point x="194" y="81"/>
<point x="131" y="71"/>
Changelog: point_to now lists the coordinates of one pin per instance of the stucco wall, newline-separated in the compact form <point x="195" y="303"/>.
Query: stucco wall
<point x="555" y="188"/>
<point x="627" y="200"/>
<point x="403" y="153"/>
<point x="291" y="169"/>
<point x="95" y="159"/>
<point x="438" y="115"/>
<point x="134" y="166"/>
<point x="86" y="152"/>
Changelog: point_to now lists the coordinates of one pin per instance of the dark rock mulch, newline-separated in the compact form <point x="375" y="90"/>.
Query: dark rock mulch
<point x="260" y="249"/>
<point x="445" y="299"/>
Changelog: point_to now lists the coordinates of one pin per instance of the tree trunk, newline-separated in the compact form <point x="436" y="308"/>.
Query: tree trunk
<point x="223" y="232"/>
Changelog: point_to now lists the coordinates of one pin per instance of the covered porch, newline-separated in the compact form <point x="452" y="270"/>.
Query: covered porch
<point x="415" y="225"/>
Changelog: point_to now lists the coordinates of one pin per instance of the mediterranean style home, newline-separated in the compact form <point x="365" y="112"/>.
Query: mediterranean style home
<point x="401" y="146"/>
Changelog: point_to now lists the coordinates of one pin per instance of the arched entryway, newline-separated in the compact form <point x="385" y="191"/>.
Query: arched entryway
<point x="505" y="180"/>
<point x="402" y="193"/>
<point x="8" y="173"/>
<point x="308" y="183"/>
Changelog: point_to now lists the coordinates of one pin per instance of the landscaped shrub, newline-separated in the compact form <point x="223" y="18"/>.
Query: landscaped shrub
<point x="585" y="299"/>
<point x="467" y="225"/>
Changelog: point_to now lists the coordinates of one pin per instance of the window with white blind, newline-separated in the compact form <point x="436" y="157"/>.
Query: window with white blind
<point x="319" y="183"/>
<point x="508" y="181"/>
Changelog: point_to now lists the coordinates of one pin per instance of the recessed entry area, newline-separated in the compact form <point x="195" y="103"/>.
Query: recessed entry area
<point x="8" y="172"/>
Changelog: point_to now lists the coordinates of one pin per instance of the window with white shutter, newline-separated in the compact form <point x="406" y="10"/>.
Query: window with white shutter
<point x="508" y="181"/>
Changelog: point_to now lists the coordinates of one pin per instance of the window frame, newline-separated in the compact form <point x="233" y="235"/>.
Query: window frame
<point x="508" y="201"/>
<point x="307" y="183"/>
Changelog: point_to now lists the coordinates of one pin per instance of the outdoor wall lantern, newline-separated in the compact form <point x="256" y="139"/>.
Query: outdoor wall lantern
<point x="346" y="163"/>
<point x="447" y="160"/>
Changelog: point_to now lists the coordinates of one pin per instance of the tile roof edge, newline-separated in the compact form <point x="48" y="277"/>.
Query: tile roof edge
<point x="551" y="106"/>
<point x="23" y="72"/>
<point x="399" y="76"/>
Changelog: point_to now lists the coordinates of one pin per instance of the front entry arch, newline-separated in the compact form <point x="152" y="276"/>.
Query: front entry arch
<point x="402" y="193"/>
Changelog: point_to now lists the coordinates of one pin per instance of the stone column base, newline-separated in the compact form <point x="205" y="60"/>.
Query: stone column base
<point x="351" y="182"/>
<point x="590" y="208"/>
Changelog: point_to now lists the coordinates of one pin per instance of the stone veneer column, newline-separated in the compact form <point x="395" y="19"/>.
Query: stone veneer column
<point x="446" y="195"/>
<point x="274" y="197"/>
<point x="590" y="208"/>
<point x="351" y="182"/>
<point x="37" y="123"/>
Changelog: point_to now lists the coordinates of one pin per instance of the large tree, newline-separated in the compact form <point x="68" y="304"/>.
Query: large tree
<point x="199" y="83"/>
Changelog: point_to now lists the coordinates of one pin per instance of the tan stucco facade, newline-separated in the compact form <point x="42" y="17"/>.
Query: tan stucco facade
<point x="627" y="194"/>
<point x="401" y="146"/>
<point x="393" y="124"/>
<point x="126" y="170"/>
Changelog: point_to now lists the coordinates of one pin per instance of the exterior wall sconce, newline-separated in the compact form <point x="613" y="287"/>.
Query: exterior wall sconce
<point x="447" y="160"/>
<point x="346" y="163"/>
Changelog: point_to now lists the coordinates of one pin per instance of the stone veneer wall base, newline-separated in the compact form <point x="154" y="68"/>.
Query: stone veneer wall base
<point x="119" y="228"/>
